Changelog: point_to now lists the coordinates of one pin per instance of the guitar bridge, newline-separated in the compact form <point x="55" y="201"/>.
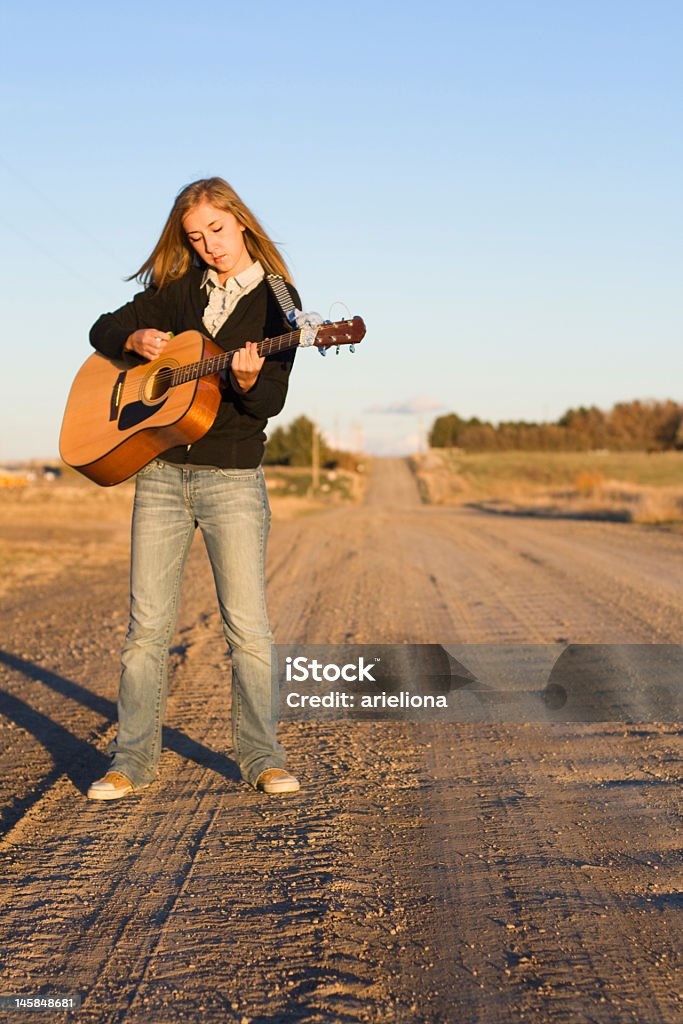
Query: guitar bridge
<point x="116" y="393"/>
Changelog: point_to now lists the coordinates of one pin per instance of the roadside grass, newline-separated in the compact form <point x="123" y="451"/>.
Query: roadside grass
<point x="627" y="486"/>
<point x="335" y="486"/>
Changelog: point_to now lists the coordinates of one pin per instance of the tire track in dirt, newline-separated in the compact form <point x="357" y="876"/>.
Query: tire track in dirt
<point x="456" y="575"/>
<point x="551" y="925"/>
<point x="583" y="565"/>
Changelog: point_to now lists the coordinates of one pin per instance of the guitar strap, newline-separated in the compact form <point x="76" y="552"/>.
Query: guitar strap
<point x="284" y="299"/>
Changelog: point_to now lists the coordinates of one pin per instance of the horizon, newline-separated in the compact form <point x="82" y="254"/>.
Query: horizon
<point x="496" y="424"/>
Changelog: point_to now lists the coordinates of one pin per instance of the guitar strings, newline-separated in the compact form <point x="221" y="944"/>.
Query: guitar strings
<point x="266" y="347"/>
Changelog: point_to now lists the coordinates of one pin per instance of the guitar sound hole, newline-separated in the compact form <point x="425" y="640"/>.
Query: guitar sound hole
<point x="158" y="384"/>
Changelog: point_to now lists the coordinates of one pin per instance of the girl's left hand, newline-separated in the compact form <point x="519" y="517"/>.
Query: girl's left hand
<point x="246" y="365"/>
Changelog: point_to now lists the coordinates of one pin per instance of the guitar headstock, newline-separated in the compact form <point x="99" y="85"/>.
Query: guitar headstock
<point x="342" y="332"/>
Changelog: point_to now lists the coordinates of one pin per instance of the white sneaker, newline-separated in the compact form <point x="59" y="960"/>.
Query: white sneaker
<point x="276" y="780"/>
<point x="113" y="786"/>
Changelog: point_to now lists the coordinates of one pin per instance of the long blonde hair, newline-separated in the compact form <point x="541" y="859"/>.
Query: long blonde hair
<point x="173" y="255"/>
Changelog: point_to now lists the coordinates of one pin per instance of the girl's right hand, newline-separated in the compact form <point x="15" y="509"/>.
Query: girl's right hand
<point x="147" y="342"/>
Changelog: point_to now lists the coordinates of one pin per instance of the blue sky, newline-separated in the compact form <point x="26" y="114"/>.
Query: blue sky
<point x="495" y="187"/>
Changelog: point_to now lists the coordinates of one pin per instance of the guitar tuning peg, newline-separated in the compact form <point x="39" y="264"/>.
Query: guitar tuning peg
<point x="352" y="349"/>
<point x="322" y="351"/>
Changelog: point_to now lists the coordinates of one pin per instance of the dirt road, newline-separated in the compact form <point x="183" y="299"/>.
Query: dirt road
<point x="443" y="872"/>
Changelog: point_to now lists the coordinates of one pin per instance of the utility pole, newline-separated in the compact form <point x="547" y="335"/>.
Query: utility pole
<point x="315" y="459"/>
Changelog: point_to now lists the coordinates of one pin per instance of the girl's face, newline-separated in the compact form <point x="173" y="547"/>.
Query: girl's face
<point x="218" y="238"/>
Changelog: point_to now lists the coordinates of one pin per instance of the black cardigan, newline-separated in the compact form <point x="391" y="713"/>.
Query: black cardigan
<point x="237" y="437"/>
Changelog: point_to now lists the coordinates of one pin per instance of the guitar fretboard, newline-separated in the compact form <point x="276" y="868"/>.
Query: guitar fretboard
<point x="214" y="364"/>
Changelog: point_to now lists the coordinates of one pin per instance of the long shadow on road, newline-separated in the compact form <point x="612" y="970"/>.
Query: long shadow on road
<point x="72" y="756"/>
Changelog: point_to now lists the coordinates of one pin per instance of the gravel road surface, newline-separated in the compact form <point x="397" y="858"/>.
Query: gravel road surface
<point x="479" y="872"/>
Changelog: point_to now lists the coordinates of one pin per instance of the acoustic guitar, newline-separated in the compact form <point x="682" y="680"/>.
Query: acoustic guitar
<point x="119" y="417"/>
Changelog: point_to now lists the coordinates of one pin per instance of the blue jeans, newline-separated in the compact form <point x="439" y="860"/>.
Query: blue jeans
<point x="230" y="506"/>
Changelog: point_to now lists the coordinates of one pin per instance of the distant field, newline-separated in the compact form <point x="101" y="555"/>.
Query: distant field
<point x="629" y="486"/>
<point x="656" y="469"/>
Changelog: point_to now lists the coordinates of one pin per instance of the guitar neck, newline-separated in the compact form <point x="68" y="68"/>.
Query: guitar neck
<point x="214" y="364"/>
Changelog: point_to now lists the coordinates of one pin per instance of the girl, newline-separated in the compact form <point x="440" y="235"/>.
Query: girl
<point x="206" y="273"/>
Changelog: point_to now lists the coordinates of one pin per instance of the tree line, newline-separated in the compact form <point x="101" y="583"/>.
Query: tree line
<point x="294" y="445"/>
<point x="627" y="426"/>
